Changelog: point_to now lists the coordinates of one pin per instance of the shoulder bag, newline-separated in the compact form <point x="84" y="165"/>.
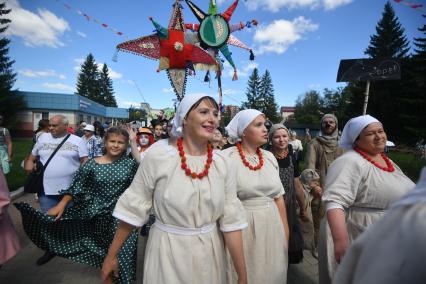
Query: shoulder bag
<point x="34" y="181"/>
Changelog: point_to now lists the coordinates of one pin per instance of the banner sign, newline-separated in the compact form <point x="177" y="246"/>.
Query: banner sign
<point x="351" y="70"/>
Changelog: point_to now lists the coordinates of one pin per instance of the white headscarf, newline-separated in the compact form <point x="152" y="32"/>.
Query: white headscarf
<point x="182" y="110"/>
<point x="353" y="128"/>
<point x="240" y="122"/>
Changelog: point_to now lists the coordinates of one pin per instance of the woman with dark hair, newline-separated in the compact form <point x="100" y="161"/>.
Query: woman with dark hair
<point x="192" y="191"/>
<point x="99" y="129"/>
<point x="43" y="127"/>
<point x="83" y="230"/>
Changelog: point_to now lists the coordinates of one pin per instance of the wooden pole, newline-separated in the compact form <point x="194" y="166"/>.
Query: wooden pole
<point x="367" y="92"/>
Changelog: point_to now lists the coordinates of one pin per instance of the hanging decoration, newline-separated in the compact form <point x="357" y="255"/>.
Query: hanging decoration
<point x="92" y="19"/>
<point x="416" y="6"/>
<point x="175" y="49"/>
<point x="214" y="30"/>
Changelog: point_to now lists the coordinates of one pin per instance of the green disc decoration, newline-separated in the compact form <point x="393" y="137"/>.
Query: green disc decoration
<point x="214" y="31"/>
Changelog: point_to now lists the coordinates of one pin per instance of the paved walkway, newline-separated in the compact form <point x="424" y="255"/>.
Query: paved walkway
<point x="21" y="269"/>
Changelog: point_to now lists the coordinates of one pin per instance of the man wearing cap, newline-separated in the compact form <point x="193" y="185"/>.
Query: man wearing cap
<point x="321" y="152"/>
<point x="94" y="144"/>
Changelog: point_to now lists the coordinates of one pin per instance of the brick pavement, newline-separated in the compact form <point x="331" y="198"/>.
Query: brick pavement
<point x="21" y="269"/>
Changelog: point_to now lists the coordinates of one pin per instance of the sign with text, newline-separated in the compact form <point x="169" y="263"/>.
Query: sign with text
<point x="351" y="70"/>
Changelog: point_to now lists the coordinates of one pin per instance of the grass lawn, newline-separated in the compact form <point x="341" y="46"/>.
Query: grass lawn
<point x="21" y="149"/>
<point x="409" y="164"/>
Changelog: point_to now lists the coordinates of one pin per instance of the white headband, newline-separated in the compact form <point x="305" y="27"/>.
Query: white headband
<point x="353" y="128"/>
<point x="240" y="122"/>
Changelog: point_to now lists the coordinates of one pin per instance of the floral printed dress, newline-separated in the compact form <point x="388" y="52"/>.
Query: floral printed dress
<point x="87" y="228"/>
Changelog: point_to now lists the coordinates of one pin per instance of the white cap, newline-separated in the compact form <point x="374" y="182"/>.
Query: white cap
<point x="89" y="127"/>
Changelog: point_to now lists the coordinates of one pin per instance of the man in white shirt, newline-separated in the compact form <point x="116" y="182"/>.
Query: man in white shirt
<point x="60" y="170"/>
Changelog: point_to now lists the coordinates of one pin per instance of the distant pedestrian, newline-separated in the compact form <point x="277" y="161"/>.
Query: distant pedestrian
<point x="80" y="131"/>
<point x="43" y="127"/>
<point x="5" y="147"/>
<point x="93" y="143"/>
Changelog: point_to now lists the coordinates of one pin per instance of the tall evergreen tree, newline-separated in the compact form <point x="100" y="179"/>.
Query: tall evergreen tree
<point x="88" y="80"/>
<point x="384" y="96"/>
<point x="105" y="87"/>
<point x="10" y="102"/>
<point x="390" y="41"/>
<point x="420" y="43"/>
<point x="266" y="94"/>
<point x="252" y="92"/>
<point x="413" y="102"/>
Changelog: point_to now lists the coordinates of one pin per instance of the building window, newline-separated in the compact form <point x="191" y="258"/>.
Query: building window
<point x="89" y="119"/>
<point x="80" y="118"/>
<point x="44" y="115"/>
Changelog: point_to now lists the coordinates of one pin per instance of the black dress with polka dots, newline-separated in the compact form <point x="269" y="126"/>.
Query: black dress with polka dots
<point x="87" y="227"/>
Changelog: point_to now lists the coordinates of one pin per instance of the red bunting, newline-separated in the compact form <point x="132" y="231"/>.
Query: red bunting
<point x="412" y="5"/>
<point x="91" y="19"/>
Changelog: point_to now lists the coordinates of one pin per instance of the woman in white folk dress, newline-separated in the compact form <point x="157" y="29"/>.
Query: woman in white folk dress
<point x="360" y="186"/>
<point x="193" y="193"/>
<point x="260" y="189"/>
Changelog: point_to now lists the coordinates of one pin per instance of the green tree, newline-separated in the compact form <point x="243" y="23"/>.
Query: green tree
<point x="252" y="92"/>
<point x="10" y="102"/>
<point x="385" y="97"/>
<point x="413" y="101"/>
<point x="390" y="41"/>
<point x="88" y="80"/>
<point x="266" y="95"/>
<point x="105" y="88"/>
<point x="336" y="102"/>
<point x="308" y="108"/>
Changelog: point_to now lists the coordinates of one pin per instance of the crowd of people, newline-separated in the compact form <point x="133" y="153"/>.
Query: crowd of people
<point x="229" y="205"/>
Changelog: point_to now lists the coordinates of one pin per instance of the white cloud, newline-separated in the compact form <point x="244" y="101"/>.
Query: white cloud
<point x="243" y="72"/>
<point x="314" y="86"/>
<point x="167" y="90"/>
<point x="36" y="29"/>
<point x="333" y="4"/>
<point x="58" y="86"/>
<point x="277" y="5"/>
<point x="81" y="34"/>
<point x="43" y="73"/>
<point x="280" y="34"/>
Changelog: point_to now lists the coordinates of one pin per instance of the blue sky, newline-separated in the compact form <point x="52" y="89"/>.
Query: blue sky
<point x="299" y="41"/>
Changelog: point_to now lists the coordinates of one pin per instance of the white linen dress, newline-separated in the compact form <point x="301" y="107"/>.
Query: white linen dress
<point x="265" y="243"/>
<point x="184" y="245"/>
<point x="365" y="192"/>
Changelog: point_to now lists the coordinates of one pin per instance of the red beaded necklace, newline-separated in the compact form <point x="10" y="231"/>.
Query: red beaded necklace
<point x="246" y="163"/>
<point x="185" y="167"/>
<point x="282" y="156"/>
<point x="389" y="166"/>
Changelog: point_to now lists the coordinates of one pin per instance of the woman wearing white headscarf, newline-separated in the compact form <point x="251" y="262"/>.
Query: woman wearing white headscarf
<point x="360" y="186"/>
<point x="260" y="189"/>
<point x="393" y="250"/>
<point x="193" y="193"/>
